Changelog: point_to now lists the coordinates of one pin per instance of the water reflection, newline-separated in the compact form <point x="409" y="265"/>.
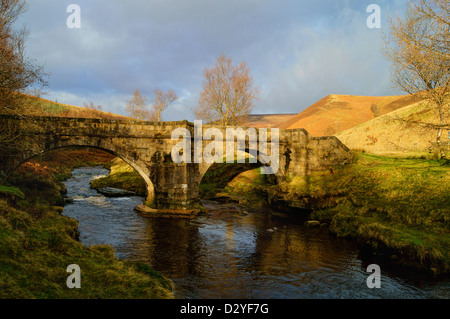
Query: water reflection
<point x="235" y="252"/>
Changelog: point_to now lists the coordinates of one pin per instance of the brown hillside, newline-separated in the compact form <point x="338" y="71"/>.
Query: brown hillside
<point x="267" y="120"/>
<point x="336" y="113"/>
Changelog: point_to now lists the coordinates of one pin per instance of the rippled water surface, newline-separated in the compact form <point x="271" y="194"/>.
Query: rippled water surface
<point x="236" y="252"/>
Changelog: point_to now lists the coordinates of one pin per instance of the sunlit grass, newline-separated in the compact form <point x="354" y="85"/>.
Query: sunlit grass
<point x="122" y="176"/>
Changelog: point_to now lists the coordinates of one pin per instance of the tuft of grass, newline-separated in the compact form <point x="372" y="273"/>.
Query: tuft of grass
<point x="8" y="191"/>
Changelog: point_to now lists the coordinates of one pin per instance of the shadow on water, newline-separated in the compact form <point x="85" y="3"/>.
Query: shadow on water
<point x="233" y="251"/>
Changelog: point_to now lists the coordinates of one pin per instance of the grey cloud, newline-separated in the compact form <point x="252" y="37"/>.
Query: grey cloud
<point x="298" y="51"/>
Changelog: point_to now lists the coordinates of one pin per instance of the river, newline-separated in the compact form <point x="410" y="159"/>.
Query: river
<point x="234" y="251"/>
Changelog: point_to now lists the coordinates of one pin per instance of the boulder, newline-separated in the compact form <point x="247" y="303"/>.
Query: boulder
<point x="115" y="192"/>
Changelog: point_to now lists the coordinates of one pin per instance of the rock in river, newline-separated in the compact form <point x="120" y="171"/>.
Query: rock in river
<point x="115" y="192"/>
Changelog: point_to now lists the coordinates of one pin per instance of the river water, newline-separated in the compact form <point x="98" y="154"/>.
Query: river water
<point x="234" y="251"/>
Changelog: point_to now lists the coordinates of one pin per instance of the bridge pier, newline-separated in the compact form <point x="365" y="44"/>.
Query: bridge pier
<point x="176" y="185"/>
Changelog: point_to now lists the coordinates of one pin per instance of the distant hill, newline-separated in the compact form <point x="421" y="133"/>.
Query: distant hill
<point x="267" y="120"/>
<point x="371" y="123"/>
<point x="42" y="107"/>
<point x="335" y="113"/>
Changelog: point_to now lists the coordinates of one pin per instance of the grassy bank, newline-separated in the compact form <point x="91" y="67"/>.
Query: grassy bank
<point x="122" y="176"/>
<point x="216" y="180"/>
<point x="400" y="208"/>
<point x="38" y="243"/>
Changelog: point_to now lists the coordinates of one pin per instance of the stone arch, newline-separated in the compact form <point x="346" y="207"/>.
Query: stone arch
<point x="150" y="198"/>
<point x="204" y="167"/>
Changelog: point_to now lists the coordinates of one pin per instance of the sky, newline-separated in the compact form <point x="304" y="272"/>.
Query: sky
<point x="298" y="51"/>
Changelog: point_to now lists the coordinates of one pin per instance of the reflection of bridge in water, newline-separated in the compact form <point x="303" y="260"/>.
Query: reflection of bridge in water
<point x="147" y="147"/>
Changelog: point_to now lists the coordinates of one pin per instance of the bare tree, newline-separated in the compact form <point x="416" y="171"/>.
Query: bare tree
<point x="419" y="48"/>
<point x="16" y="72"/>
<point x="162" y="101"/>
<point x="137" y="108"/>
<point x="92" y="106"/>
<point x="228" y="93"/>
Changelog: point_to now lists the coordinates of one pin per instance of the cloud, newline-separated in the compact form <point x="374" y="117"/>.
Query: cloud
<point x="297" y="51"/>
<point x="343" y="57"/>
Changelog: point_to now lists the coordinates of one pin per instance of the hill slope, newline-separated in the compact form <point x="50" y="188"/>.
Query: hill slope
<point x="43" y="107"/>
<point x="390" y="134"/>
<point x="267" y="120"/>
<point x="336" y="113"/>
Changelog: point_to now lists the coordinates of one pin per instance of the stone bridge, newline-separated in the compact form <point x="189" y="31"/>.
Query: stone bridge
<point x="147" y="147"/>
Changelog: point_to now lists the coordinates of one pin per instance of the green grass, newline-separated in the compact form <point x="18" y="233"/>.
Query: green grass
<point x="38" y="243"/>
<point x="398" y="205"/>
<point x="35" y="253"/>
<point x="8" y="191"/>
<point x="122" y="176"/>
<point x="219" y="175"/>
<point x="51" y="108"/>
